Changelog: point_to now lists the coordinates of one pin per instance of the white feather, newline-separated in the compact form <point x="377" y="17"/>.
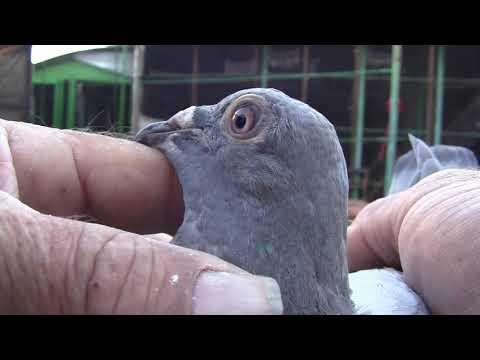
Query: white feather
<point x="384" y="292"/>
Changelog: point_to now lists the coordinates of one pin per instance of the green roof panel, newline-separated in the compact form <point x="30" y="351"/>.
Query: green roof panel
<point x="70" y="69"/>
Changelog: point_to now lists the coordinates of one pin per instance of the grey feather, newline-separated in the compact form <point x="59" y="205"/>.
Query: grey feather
<point x="424" y="160"/>
<point x="384" y="292"/>
<point x="276" y="206"/>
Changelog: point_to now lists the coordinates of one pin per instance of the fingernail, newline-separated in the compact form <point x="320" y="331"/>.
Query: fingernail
<point x="221" y="293"/>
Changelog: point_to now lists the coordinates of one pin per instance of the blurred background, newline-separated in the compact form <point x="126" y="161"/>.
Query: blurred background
<point x="375" y="95"/>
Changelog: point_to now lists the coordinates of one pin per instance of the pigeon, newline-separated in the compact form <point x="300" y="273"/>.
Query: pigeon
<point x="424" y="160"/>
<point x="384" y="292"/>
<point x="265" y="188"/>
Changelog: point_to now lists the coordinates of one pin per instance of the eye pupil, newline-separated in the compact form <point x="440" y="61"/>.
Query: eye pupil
<point x="240" y="121"/>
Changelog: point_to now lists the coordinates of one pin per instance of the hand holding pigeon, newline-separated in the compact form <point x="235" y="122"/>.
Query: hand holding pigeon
<point x="430" y="231"/>
<point x="53" y="265"/>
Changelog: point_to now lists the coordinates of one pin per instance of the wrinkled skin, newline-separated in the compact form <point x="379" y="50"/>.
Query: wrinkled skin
<point x="53" y="265"/>
<point x="445" y="205"/>
<point x="430" y="231"/>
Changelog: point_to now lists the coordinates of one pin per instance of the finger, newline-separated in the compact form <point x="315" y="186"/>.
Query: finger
<point x="8" y="177"/>
<point x="119" y="182"/>
<point x="373" y="237"/>
<point x="371" y="240"/>
<point x="439" y="243"/>
<point x="54" y="265"/>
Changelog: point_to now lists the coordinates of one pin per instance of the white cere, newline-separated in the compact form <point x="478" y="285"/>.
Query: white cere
<point x="173" y="279"/>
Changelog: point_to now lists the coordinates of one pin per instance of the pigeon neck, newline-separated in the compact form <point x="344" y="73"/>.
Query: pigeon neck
<point x="298" y="239"/>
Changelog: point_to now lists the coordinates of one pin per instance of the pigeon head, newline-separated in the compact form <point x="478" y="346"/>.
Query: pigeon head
<point x="265" y="187"/>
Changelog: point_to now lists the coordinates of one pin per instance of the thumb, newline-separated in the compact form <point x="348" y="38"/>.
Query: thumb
<point x="8" y="177"/>
<point x="61" y="266"/>
<point x="372" y="238"/>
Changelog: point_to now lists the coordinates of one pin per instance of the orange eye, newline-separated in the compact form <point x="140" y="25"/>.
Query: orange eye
<point x="243" y="120"/>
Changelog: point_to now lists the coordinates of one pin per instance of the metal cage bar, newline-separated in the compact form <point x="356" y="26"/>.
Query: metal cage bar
<point x="393" y="115"/>
<point x="360" y="116"/>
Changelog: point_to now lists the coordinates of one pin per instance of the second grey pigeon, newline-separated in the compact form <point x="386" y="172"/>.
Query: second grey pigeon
<point x="424" y="160"/>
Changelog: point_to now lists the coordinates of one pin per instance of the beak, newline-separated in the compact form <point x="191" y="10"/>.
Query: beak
<point x="152" y="133"/>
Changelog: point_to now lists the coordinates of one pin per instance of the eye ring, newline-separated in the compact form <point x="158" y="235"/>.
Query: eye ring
<point x="243" y="117"/>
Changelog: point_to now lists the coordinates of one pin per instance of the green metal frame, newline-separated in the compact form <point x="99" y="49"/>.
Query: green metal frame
<point x="67" y="70"/>
<point x="71" y="104"/>
<point x="58" y="104"/>
<point x="393" y="115"/>
<point x="42" y="104"/>
<point x="265" y="77"/>
<point x="123" y="91"/>
<point x="421" y="103"/>
<point x="71" y="69"/>
<point x="76" y="73"/>
<point x="419" y="132"/>
<point x="437" y="135"/>
<point x="360" y="113"/>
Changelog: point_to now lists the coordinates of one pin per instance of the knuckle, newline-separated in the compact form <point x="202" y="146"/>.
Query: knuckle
<point x="121" y="276"/>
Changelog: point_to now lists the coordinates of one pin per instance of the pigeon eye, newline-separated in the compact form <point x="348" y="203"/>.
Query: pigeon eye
<point x="243" y="120"/>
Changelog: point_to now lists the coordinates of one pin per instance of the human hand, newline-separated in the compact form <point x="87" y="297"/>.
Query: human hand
<point x="53" y="265"/>
<point x="430" y="231"/>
